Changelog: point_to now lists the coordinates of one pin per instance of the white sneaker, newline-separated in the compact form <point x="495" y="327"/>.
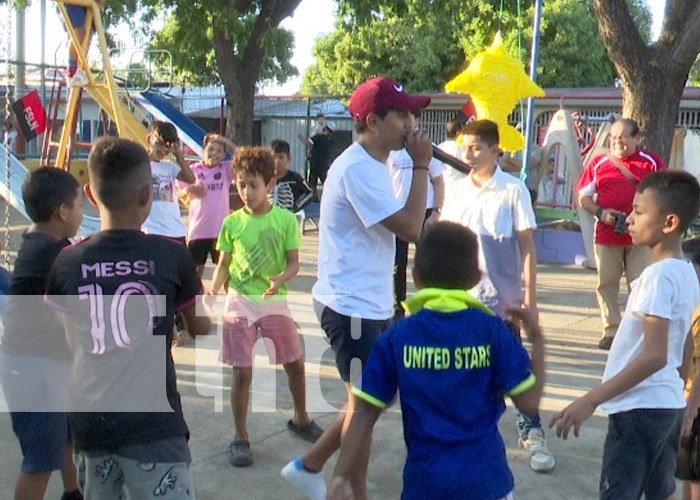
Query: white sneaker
<point x="310" y="484"/>
<point x="79" y="79"/>
<point x="541" y="459"/>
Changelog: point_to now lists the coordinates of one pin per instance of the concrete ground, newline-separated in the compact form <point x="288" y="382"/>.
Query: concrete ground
<point x="569" y="316"/>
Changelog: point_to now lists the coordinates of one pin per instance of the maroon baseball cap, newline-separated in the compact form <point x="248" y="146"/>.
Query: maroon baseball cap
<point x="381" y="93"/>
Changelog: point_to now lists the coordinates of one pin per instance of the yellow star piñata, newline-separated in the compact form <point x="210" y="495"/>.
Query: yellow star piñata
<point x="496" y="82"/>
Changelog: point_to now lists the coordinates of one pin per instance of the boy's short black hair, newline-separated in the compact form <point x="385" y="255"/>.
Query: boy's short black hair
<point x="165" y="132"/>
<point x="254" y="160"/>
<point x="278" y="146"/>
<point x="486" y="130"/>
<point x="691" y="247"/>
<point x="118" y="169"/>
<point x="447" y="256"/>
<point x="45" y="190"/>
<point x="676" y="192"/>
<point x="453" y="127"/>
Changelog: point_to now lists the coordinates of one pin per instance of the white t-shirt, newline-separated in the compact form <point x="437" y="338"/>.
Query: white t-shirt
<point x="451" y="175"/>
<point x="495" y="212"/>
<point x="667" y="289"/>
<point x="164" y="218"/>
<point x="401" y="170"/>
<point x="355" y="252"/>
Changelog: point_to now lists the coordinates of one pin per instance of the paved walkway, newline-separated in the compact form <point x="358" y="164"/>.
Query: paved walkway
<point x="569" y="316"/>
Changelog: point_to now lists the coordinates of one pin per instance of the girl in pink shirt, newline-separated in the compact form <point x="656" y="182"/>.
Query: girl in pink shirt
<point x="209" y="203"/>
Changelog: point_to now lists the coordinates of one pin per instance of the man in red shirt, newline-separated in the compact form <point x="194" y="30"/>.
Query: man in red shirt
<point x="606" y="189"/>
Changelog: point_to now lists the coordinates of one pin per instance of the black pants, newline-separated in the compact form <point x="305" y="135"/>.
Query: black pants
<point x="400" y="265"/>
<point x="317" y="174"/>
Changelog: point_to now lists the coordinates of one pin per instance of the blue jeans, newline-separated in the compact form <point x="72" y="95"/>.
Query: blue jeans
<point x="639" y="455"/>
<point x="525" y="422"/>
<point x="5" y="277"/>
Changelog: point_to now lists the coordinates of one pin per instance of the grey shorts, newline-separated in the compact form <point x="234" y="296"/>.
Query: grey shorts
<point x="639" y="457"/>
<point x="113" y="477"/>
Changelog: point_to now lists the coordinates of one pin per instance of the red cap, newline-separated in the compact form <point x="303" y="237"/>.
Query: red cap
<point x="382" y="93"/>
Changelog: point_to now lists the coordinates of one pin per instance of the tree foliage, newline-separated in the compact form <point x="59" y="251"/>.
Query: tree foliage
<point x="424" y="43"/>
<point x="193" y="52"/>
<point x="694" y="77"/>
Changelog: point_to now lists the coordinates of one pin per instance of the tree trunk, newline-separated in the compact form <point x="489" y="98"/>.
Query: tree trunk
<point x="652" y="77"/>
<point x="654" y="103"/>
<point x="239" y="68"/>
<point x="239" y="87"/>
<point x="240" y="111"/>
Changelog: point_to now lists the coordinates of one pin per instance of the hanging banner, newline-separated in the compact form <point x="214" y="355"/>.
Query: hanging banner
<point x="30" y="115"/>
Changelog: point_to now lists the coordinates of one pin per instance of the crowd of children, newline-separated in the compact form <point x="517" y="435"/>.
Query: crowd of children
<point x="100" y="428"/>
<point x="70" y="385"/>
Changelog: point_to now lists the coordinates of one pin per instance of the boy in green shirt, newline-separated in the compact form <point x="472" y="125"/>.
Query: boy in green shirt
<point x="259" y="252"/>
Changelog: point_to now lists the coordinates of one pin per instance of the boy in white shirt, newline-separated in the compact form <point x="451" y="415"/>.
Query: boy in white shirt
<point x="496" y="206"/>
<point x="164" y="218"/>
<point x="642" y="391"/>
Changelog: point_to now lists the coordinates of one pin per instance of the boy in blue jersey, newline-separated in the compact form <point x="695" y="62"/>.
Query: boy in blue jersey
<point x="453" y="362"/>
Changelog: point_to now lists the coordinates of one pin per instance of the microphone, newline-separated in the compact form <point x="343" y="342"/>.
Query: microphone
<point x="450" y="160"/>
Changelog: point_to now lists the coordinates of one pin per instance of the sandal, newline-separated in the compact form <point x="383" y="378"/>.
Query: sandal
<point x="311" y="432"/>
<point x="239" y="453"/>
<point x="605" y="343"/>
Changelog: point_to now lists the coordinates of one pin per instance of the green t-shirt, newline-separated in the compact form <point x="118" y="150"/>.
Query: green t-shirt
<point x="258" y="245"/>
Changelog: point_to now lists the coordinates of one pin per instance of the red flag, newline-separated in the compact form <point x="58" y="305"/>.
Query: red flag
<point x="30" y="115"/>
<point x="469" y="111"/>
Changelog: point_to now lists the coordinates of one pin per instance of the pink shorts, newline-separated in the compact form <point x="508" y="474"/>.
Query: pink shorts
<point x="242" y="319"/>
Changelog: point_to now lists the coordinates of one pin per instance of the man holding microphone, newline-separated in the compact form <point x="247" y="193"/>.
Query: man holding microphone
<point x="360" y="218"/>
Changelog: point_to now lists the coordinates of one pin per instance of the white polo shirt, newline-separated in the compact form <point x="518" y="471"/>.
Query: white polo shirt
<point x="451" y="175"/>
<point x="495" y="212"/>
<point x="355" y="252"/>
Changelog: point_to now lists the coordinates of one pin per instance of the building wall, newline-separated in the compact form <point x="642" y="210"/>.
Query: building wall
<point x="287" y="129"/>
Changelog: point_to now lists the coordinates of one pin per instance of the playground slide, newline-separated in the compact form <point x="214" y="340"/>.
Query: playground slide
<point x="190" y="133"/>
<point x="135" y="130"/>
<point x="18" y="172"/>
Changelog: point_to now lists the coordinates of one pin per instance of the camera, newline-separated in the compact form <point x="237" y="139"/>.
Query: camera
<point x="684" y="460"/>
<point x="687" y="459"/>
<point x="687" y="465"/>
<point x="619" y="226"/>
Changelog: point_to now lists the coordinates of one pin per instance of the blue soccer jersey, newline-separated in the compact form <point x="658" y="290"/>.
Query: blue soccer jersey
<point x="453" y="367"/>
